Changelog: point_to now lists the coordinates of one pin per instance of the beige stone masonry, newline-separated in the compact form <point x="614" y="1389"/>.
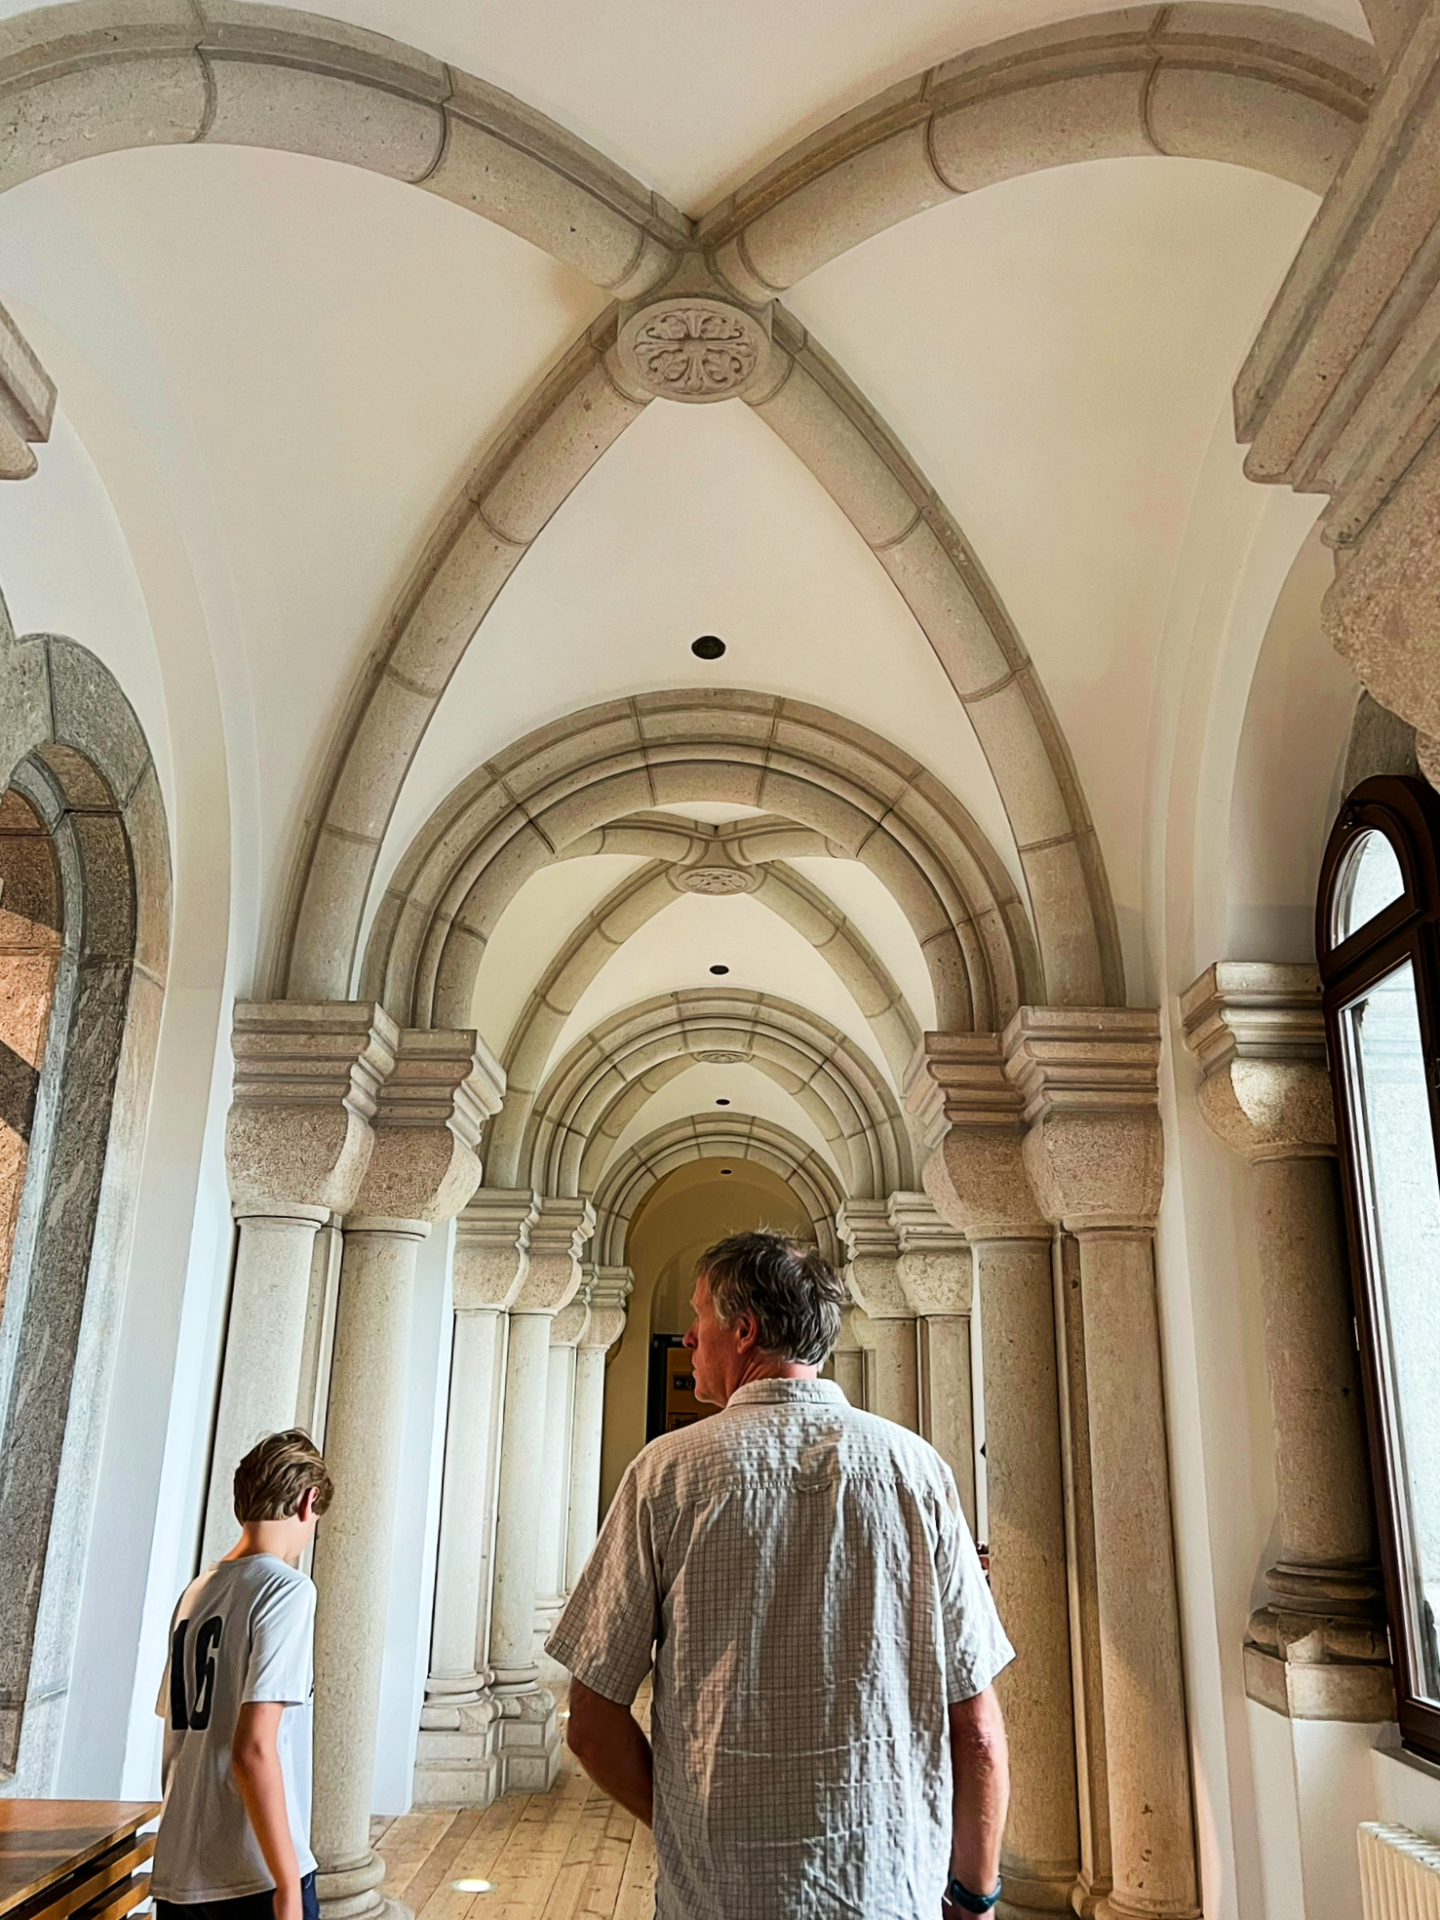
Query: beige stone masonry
<point x="1093" y="1150"/>
<point x="27" y="402"/>
<point x="1341" y="392"/>
<point x="892" y="1384"/>
<point x="1242" y="84"/>
<point x="967" y="1112"/>
<point x="1319" y="1650"/>
<point x="423" y="1169"/>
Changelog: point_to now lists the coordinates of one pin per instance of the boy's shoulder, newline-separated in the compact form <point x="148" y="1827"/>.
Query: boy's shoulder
<point x="256" y="1579"/>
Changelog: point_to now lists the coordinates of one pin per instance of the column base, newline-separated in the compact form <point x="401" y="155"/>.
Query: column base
<point x="1112" y="1907"/>
<point x="1030" y="1894"/>
<point x="1311" y="1666"/>
<point x="457" y="1754"/>
<point x="353" y="1893"/>
<point x="529" y="1743"/>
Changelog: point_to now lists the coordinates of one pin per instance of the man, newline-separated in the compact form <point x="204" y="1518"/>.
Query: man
<point x="826" y="1736"/>
<point x="234" y="1840"/>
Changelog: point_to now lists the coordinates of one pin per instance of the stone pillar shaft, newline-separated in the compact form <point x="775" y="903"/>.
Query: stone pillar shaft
<point x="887" y="1331"/>
<point x="609" y="1289"/>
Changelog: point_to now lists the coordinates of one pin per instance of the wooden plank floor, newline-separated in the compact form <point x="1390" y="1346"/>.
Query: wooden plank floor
<point x="569" y="1854"/>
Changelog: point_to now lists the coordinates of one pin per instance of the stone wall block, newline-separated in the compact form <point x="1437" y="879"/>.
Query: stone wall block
<point x="325" y="924"/>
<point x="377" y="758"/>
<point x="1092" y="116"/>
<point x="149" y="836"/>
<point x="31" y="42"/>
<point x="1012" y="743"/>
<point x="841" y="456"/>
<point x="295" y="110"/>
<point x="1095" y="1167"/>
<point x="91" y="716"/>
<point x="562" y="448"/>
<point x="525" y="195"/>
<point x="105" y="108"/>
<point x="1060" y="897"/>
<point x="109" y="884"/>
<point x="282" y="33"/>
<point x="442" y="622"/>
<point x="837" y="209"/>
<point x="1249" y="121"/>
<point x="962" y="637"/>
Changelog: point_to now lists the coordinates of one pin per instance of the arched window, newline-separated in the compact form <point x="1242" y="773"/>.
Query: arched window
<point x="1378" y="940"/>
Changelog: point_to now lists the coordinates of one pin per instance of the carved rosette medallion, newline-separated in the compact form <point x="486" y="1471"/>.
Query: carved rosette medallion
<point x="693" y="349"/>
<point x="715" y="880"/>
<point x="722" y="1057"/>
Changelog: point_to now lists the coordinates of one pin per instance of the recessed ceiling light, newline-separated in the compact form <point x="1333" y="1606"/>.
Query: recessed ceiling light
<point x="722" y="1103"/>
<point x="719" y="969"/>
<point x="727" y="1169"/>
<point x="708" y="647"/>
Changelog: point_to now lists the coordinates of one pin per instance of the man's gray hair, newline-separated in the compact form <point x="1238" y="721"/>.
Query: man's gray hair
<point x="794" y="1296"/>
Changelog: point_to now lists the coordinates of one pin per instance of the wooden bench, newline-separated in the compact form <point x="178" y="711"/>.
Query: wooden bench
<point x="74" y="1859"/>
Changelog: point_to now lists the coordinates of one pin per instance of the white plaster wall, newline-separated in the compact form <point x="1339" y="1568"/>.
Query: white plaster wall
<point x="417" y="1526"/>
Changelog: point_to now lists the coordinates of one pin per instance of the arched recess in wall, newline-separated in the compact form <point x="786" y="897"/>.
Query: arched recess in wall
<point x="829" y="784"/>
<point x="74" y="753"/>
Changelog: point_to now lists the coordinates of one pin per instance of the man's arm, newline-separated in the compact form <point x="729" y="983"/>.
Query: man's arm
<point x="608" y="1742"/>
<point x="981" y="1763"/>
<point x="256" y="1761"/>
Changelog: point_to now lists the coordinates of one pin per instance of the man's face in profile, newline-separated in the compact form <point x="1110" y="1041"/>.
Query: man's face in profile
<point x="712" y="1347"/>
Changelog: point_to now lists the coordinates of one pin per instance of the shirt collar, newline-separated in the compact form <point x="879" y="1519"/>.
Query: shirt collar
<point x="758" y="1392"/>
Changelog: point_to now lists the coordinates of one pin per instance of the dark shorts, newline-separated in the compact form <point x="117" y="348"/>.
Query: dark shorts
<point x="250" y="1906"/>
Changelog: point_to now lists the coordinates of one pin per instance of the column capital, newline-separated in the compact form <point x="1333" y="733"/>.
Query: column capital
<point x="492" y="1247"/>
<point x="1339" y="393"/>
<point x="1088" y="1077"/>
<point x="934" y="1269"/>
<point x="430" y="1109"/>
<point x="557" y="1237"/>
<point x="1258" y="1032"/>
<point x="969" y="1120"/>
<point x="308" y="1075"/>
<point x="567" y="1329"/>
<point x="871" y="1252"/>
<point x="27" y="402"/>
<point x="610" y="1290"/>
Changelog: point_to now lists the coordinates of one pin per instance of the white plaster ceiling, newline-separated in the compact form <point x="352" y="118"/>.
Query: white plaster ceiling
<point x="693" y="99"/>
<point x="1055" y="353"/>
<point x="750" y="1093"/>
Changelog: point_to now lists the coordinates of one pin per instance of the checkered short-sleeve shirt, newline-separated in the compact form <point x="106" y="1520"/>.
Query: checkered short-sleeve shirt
<point x="806" y="1581"/>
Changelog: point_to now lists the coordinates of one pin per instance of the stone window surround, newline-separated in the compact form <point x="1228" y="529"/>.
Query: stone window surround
<point x="73" y="747"/>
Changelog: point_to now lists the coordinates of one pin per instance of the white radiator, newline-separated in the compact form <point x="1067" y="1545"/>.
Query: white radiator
<point x="1399" y="1874"/>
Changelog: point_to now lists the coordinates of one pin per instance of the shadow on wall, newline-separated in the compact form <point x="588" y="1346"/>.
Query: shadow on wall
<point x="689" y="1210"/>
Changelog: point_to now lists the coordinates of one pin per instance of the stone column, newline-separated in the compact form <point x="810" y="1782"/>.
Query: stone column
<point x="1095" y="1157"/>
<point x="848" y="1359"/>
<point x="936" y="1275"/>
<point x="529" y="1735"/>
<point x="297" y="1144"/>
<point x="610" y="1288"/>
<point x="457" y="1761"/>
<point x="970" y="1117"/>
<point x="1318" y="1651"/>
<point x="566" y="1329"/>
<point x="892" y="1386"/>
<point x="423" y="1169"/>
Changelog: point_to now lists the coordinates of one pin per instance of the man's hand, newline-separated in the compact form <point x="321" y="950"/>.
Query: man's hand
<point x="981" y="1763"/>
<point x="607" y="1741"/>
<point x="256" y="1761"/>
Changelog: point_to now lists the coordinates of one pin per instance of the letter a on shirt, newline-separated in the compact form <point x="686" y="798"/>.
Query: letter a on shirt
<point x="243" y="1631"/>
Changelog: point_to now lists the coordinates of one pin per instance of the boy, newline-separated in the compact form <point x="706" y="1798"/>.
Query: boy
<point x="234" y="1840"/>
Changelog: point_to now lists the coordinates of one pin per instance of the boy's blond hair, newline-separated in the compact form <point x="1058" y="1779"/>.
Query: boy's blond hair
<point x="275" y="1476"/>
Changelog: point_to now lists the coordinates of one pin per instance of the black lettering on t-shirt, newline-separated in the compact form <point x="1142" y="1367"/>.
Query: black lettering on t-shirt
<point x="207" y="1642"/>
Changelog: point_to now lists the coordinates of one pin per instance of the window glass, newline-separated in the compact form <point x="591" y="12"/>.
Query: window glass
<point x="1400" y="1196"/>
<point x="1368" y="882"/>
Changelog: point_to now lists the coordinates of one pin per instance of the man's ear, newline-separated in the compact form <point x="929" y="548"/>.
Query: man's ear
<point x="746" y="1330"/>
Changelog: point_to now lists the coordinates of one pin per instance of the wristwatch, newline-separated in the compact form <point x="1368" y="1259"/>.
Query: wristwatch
<point x="959" y="1895"/>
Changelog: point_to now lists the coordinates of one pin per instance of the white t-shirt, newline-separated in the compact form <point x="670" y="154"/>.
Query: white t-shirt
<point x="244" y="1630"/>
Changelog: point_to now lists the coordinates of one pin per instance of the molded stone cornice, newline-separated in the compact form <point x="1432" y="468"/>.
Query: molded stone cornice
<point x="492" y="1247"/>
<point x="969" y="1116"/>
<point x="609" y="1293"/>
<point x="27" y="402"/>
<point x="1088" y="1077"/>
<point x="429" y="1113"/>
<point x="568" y="1327"/>
<point x="1259" y="1033"/>
<point x="307" y="1085"/>
<point x="557" y="1237"/>
<point x="935" y="1268"/>
<point x="872" y="1250"/>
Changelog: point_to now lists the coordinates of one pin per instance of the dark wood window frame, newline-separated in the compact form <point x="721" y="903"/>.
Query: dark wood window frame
<point x="1407" y="813"/>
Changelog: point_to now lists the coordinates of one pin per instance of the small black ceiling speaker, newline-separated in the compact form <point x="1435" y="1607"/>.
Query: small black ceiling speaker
<point x="708" y="647"/>
<point x="727" y="1169"/>
<point x="722" y="1103"/>
<point x="719" y="969"/>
